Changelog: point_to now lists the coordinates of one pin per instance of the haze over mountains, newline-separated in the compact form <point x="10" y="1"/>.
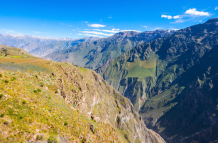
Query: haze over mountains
<point x="96" y="53"/>
<point x="172" y="82"/>
<point x="40" y="46"/>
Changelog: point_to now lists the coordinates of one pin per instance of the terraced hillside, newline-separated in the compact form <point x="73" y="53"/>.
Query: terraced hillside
<point x="172" y="82"/>
<point x="96" y="53"/>
<point x="46" y="101"/>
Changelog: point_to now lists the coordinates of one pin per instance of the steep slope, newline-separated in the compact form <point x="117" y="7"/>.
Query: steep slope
<point x="96" y="53"/>
<point x="48" y="101"/>
<point x="165" y="82"/>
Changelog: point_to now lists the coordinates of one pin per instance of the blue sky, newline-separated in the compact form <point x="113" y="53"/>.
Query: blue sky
<point x="102" y="18"/>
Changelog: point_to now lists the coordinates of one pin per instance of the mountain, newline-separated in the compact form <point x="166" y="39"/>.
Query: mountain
<point x="96" y="53"/>
<point x="45" y="101"/>
<point x="172" y="82"/>
<point x="40" y="46"/>
<point x="60" y="45"/>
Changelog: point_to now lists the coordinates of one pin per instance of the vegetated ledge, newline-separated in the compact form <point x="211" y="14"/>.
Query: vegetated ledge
<point x="48" y="101"/>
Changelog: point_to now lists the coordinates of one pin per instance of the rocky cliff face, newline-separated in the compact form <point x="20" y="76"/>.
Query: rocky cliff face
<point x="96" y="53"/>
<point x="63" y="103"/>
<point x="157" y="77"/>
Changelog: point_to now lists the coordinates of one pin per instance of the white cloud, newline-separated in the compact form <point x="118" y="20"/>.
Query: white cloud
<point x="216" y="8"/>
<point x="86" y="22"/>
<point x="102" y="32"/>
<point x="73" y="30"/>
<point x="194" y="12"/>
<point x="144" y="26"/>
<point x="174" y="29"/>
<point x="130" y="30"/>
<point x="170" y="17"/>
<point x="97" y="33"/>
<point x="96" y="25"/>
<point x="109" y="17"/>
<point x="70" y="25"/>
<point x="109" y="31"/>
<point x="90" y="35"/>
<point x="36" y="32"/>
<point x="11" y="32"/>
<point x="190" y="15"/>
<point x="8" y="31"/>
<point x="200" y="21"/>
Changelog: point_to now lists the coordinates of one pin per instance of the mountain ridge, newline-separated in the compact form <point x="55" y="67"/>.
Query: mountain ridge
<point x="155" y="76"/>
<point x="96" y="53"/>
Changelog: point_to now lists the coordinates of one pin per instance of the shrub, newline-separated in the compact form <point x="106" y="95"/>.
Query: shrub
<point x="6" y="123"/>
<point x="24" y="102"/>
<point x="13" y="78"/>
<point x="83" y="140"/>
<point x="41" y="84"/>
<point x="2" y="115"/>
<point x="65" y="123"/>
<point x="6" y="81"/>
<point x="40" y="137"/>
<point x="0" y="75"/>
<point x="1" y="95"/>
<point x="37" y="91"/>
<point x="92" y="127"/>
<point x="52" y="139"/>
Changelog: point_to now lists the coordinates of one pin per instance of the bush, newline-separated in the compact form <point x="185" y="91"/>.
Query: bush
<point x="0" y="75"/>
<point x="24" y="102"/>
<point x="83" y="140"/>
<point x="40" y="137"/>
<point x="1" y="95"/>
<point x="6" y="81"/>
<point x="52" y="139"/>
<point x="65" y="123"/>
<point x="2" y="115"/>
<point x="37" y="91"/>
<point x="92" y="127"/>
<point x="41" y="84"/>
<point x="13" y="78"/>
<point x="6" y="123"/>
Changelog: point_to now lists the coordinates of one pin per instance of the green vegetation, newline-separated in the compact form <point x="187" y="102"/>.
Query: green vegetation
<point x="53" y="102"/>
<point x="172" y="80"/>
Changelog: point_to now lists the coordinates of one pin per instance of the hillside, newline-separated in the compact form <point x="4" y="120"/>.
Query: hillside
<point x="47" y="101"/>
<point x="172" y="82"/>
<point x="96" y="53"/>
